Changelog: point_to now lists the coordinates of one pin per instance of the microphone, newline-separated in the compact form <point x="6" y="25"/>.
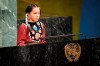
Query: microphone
<point x="68" y="35"/>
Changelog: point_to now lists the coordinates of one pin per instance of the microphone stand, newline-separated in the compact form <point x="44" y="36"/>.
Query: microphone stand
<point x="68" y="35"/>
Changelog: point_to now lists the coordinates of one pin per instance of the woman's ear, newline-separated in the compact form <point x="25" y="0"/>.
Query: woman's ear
<point x="27" y="14"/>
<point x="28" y="17"/>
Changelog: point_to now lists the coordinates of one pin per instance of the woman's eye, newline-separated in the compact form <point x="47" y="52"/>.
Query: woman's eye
<point x="36" y="13"/>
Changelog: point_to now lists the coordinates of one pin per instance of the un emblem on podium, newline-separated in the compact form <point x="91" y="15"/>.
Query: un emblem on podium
<point x="72" y="51"/>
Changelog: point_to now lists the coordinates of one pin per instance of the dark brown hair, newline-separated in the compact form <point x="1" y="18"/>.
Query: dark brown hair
<point x="30" y="7"/>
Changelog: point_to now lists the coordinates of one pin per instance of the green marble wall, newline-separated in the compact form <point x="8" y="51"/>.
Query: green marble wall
<point x="8" y="22"/>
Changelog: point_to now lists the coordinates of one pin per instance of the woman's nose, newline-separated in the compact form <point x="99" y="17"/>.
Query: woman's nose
<point x="37" y="15"/>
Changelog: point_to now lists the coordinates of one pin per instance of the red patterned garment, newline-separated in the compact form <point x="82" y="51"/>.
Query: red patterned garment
<point x="32" y="34"/>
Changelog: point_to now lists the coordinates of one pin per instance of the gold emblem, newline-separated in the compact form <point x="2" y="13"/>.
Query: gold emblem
<point x="72" y="51"/>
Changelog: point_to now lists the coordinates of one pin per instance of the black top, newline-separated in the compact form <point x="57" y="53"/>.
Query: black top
<point x="36" y="30"/>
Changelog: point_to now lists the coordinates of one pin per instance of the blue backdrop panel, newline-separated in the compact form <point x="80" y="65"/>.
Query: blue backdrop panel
<point x="90" y="19"/>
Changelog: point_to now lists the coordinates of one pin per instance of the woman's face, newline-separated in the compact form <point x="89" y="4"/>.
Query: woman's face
<point x="34" y="15"/>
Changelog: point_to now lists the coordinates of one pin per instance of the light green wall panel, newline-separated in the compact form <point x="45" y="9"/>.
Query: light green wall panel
<point x="8" y="23"/>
